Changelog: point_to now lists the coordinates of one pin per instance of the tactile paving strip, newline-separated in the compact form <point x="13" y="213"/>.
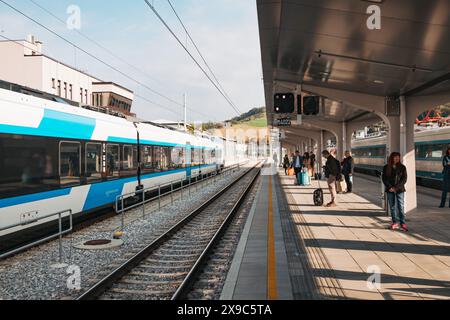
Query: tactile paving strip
<point x="312" y="277"/>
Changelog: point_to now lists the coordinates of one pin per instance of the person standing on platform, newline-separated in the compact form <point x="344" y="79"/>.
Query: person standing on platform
<point x="313" y="165"/>
<point x="306" y="160"/>
<point x="395" y="177"/>
<point x="297" y="163"/>
<point x="286" y="164"/>
<point x="446" y="182"/>
<point x="275" y="159"/>
<point x="333" y="174"/>
<point x="348" y="168"/>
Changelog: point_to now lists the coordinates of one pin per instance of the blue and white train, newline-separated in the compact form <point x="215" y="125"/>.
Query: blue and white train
<point x="55" y="156"/>
<point x="371" y="155"/>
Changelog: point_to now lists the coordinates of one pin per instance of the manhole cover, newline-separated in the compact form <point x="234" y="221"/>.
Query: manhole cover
<point x="101" y="242"/>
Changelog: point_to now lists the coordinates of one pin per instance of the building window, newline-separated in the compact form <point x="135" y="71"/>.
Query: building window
<point x="71" y="91"/>
<point x="53" y="83"/>
<point x="65" y="90"/>
<point x="86" y="96"/>
<point x="59" y="88"/>
<point x="81" y="95"/>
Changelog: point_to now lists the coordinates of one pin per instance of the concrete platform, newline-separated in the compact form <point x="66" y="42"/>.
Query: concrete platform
<point x="293" y="250"/>
<point x="260" y="268"/>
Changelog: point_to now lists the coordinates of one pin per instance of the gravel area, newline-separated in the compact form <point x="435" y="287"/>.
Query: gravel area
<point x="31" y="275"/>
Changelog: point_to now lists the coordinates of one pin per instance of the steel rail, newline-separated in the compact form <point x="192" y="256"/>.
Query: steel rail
<point x="108" y="281"/>
<point x="190" y="279"/>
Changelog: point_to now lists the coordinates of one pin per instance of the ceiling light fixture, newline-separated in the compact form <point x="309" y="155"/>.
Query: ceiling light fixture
<point x="374" y="1"/>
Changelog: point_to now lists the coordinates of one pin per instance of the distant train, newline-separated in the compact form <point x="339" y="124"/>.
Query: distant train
<point x="370" y="155"/>
<point x="55" y="156"/>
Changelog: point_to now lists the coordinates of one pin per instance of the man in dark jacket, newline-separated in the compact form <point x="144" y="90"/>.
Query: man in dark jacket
<point x="297" y="163"/>
<point x="333" y="174"/>
<point x="348" y="168"/>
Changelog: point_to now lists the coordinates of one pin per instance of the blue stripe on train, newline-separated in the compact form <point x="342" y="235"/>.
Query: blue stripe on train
<point x="105" y="193"/>
<point x="9" y="202"/>
<point x="100" y="194"/>
<point x="57" y="124"/>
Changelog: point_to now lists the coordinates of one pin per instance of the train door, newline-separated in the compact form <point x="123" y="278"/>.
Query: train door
<point x="188" y="160"/>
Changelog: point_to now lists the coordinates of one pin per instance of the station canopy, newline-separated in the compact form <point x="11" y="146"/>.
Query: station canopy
<point x="327" y="43"/>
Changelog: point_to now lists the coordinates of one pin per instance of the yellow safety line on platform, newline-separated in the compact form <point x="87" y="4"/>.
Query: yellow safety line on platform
<point x="272" y="293"/>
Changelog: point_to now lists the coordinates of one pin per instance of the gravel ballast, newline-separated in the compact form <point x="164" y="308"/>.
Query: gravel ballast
<point x="30" y="275"/>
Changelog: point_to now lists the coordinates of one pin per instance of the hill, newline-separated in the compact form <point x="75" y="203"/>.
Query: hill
<point x="256" y="118"/>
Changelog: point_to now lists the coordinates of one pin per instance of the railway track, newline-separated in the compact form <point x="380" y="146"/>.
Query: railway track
<point x="208" y="282"/>
<point x="168" y="267"/>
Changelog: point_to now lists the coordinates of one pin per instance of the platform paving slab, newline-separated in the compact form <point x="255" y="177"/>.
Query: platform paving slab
<point x="353" y="238"/>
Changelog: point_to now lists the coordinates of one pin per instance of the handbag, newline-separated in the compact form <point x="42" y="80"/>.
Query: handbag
<point x="291" y="172"/>
<point x="341" y="186"/>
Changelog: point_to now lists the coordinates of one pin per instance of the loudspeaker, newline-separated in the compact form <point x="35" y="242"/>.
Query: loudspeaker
<point x="311" y="105"/>
<point x="393" y="108"/>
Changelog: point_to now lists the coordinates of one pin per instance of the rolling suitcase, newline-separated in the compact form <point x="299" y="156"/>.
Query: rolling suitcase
<point x="318" y="197"/>
<point x="305" y="179"/>
<point x="300" y="179"/>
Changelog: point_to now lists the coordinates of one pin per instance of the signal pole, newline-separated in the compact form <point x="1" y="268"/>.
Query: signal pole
<point x="185" y="113"/>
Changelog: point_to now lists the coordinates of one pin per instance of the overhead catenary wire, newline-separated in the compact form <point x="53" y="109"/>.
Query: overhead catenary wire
<point x="110" y="52"/>
<point x="199" y="52"/>
<point x="190" y="55"/>
<point x="93" y="56"/>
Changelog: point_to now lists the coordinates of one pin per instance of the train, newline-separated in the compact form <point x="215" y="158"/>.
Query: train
<point x="57" y="156"/>
<point x="370" y="155"/>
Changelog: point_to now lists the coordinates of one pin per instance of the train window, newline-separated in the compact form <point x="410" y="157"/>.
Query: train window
<point x="93" y="162"/>
<point x="112" y="160"/>
<point x="147" y="158"/>
<point x="157" y="155"/>
<point x="69" y="163"/>
<point x="27" y="165"/>
<point x="193" y="164"/>
<point x="206" y="157"/>
<point x="433" y="151"/>
<point x="177" y="160"/>
<point x="165" y="158"/>
<point x="128" y="162"/>
<point x="196" y="157"/>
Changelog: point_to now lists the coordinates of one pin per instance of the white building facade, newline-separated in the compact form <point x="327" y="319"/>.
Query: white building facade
<point x="22" y="62"/>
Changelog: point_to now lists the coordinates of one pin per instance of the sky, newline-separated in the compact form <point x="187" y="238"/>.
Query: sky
<point x="226" y="31"/>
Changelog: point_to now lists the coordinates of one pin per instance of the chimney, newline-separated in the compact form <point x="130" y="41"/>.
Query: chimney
<point x="30" y="38"/>
<point x="38" y="47"/>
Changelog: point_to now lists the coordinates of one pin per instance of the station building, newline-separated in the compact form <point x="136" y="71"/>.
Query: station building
<point x="24" y="63"/>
